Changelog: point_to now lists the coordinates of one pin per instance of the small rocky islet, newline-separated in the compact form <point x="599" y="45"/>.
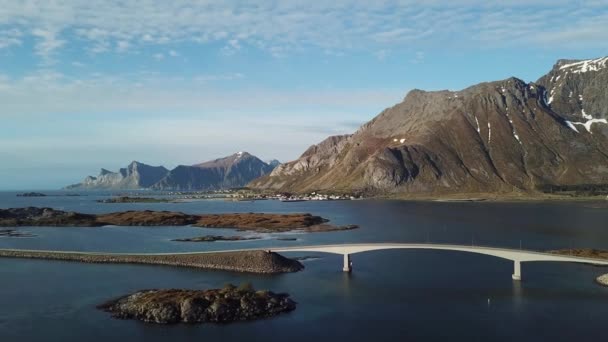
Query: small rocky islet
<point x="213" y="238"/>
<point x="31" y="194"/>
<point x="129" y="199"/>
<point x="225" y="305"/>
<point x="259" y="222"/>
<point x="15" y="233"/>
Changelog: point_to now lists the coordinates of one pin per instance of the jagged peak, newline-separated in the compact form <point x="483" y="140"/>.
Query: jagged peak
<point x="104" y="172"/>
<point x="581" y="65"/>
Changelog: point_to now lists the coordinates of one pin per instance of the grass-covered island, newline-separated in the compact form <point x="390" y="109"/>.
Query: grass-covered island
<point x="260" y="222"/>
<point x="254" y="261"/>
<point x="226" y="305"/>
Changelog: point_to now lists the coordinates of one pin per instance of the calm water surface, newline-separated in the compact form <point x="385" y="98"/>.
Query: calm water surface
<point x="392" y="295"/>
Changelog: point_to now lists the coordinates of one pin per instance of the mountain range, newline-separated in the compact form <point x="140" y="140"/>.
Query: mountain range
<point x="233" y="171"/>
<point x="500" y="137"/>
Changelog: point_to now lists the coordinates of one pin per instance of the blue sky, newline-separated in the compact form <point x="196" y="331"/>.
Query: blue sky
<point x="90" y="84"/>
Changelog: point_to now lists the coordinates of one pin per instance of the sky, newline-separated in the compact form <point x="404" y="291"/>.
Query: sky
<point x="86" y="84"/>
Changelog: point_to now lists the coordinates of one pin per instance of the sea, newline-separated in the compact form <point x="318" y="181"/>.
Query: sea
<point x="391" y="295"/>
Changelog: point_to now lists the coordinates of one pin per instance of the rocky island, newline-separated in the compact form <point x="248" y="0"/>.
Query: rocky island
<point x="253" y="261"/>
<point x="212" y="238"/>
<point x="14" y="233"/>
<point x="128" y="199"/>
<point x="226" y="305"/>
<point x="33" y="216"/>
<point x="31" y="194"/>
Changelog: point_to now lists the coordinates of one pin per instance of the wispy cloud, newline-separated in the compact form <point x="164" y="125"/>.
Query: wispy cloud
<point x="281" y="27"/>
<point x="47" y="91"/>
<point x="10" y="37"/>
<point x="48" y="42"/>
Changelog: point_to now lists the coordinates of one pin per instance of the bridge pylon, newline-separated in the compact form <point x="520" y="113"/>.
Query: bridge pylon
<point x="348" y="266"/>
<point x="516" y="270"/>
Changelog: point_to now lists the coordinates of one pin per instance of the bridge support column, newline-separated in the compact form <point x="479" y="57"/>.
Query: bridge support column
<point x="347" y="264"/>
<point x="516" y="270"/>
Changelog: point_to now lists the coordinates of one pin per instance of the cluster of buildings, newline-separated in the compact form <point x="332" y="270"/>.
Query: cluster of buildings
<point x="314" y="196"/>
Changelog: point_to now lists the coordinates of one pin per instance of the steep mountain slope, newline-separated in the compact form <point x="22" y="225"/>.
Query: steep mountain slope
<point x="500" y="136"/>
<point x="233" y="171"/>
<point x="134" y="176"/>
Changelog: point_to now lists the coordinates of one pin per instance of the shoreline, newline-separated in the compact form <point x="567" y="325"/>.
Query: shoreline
<point x="493" y="198"/>
<point x="253" y="261"/>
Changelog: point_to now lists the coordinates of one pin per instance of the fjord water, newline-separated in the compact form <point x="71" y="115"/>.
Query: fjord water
<point x="398" y="294"/>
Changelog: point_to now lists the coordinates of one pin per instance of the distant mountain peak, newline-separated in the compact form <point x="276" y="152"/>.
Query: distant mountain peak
<point x="135" y="176"/>
<point x="232" y="171"/>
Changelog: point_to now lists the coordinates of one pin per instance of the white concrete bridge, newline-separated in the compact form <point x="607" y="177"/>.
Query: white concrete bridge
<point x="516" y="255"/>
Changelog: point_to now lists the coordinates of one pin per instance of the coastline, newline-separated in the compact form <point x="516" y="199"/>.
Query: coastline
<point x="490" y="197"/>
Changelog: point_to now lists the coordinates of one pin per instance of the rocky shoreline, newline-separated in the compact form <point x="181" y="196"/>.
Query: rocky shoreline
<point x="256" y="261"/>
<point x="259" y="222"/>
<point x="226" y="305"/>
<point x="582" y="252"/>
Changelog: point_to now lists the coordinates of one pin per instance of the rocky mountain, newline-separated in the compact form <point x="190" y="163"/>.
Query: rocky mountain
<point x="500" y="137"/>
<point x="135" y="176"/>
<point x="230" y="172"/>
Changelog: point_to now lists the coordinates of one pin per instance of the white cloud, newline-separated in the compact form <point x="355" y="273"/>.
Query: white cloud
<point x="46" y="92"/>
<point x="286" y="26"/>
<point x="232" y="46"/>
<point x="158" y="56"/>
<point x="221" y="77"/>
<point x="122" y="46"/>
<point x="10" y="38"/>
<point x="382" y="54"/>
<point x="173" y="53"/>
<point x="47" y="42"/>
<point x="418" y="58"/>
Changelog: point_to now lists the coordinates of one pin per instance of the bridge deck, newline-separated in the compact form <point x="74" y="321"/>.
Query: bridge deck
<point x="517" y="255"/>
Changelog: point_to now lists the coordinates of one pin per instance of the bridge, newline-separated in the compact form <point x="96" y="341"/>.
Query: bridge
<point x="516" y="255"/>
